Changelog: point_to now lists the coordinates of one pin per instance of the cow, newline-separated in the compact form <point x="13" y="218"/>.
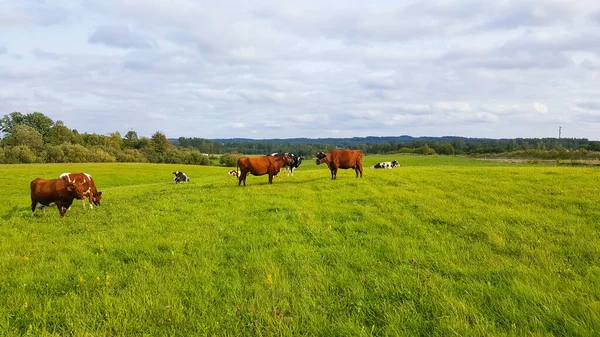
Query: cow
<point x="261" y="165"/>
<point x="180" y="177"/>
<point x="57" y="192"/>
<point x="92" y="194"/>
<point x="342" y="159"/>
<point x="289" y="168"/>
<point x="233" y="173"/>
<point x="385" y="165"/>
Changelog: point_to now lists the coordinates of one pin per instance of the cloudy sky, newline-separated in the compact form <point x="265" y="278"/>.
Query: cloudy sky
<point x="282" y="69"/>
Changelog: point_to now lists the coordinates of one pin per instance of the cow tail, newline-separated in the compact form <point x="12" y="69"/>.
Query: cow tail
<point x="237" y="168"/>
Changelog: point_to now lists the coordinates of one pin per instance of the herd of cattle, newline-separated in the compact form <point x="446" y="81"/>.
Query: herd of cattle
<point x="69" y="186"/>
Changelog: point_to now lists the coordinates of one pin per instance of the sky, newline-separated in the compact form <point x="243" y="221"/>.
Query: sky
<point x="284" y="69"/>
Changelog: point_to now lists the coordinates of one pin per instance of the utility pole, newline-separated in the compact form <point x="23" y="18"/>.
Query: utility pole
<point x="559" y="131"/>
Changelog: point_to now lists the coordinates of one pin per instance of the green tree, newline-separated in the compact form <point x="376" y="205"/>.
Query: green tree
<point x="160" y="143"/>
<point x="8" y="122"/>
<point x="39" y="121"/>
<point x="131" y="140"/>
<point x="59" y="134"/>
<point x="25" y="135"/>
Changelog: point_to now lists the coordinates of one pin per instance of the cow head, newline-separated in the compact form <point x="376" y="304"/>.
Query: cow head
<point x="96" y="198"/>
<point x="321" y="157"/>
<point x="76" y="189"/>
<point x="298" y="161"/>
<point x="289" y="160"/>
<point x="395" y="163"/>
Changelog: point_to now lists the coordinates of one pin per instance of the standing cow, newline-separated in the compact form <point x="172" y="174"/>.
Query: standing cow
<point x="92" y="194"/>
<point x="289" y="168"/>
<point x="57" y="192"/>
<point x="342" y="159"/>
<point x="261" y="165"/>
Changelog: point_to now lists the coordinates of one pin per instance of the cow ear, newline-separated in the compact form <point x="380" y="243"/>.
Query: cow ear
<point x="99" y="193"/>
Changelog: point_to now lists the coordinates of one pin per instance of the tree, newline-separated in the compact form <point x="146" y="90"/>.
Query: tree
<point x="38" y="121"/>
<point x="25" y="135"/>
<point x="131" y="140"/>
<point x="113" y="143"/>
<point x="8" y="122"/>
<point x="160" y="143"/>
<point x="59" y="134"/>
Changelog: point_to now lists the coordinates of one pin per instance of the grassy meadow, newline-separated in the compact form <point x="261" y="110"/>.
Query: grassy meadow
<point x="440" y="246"/>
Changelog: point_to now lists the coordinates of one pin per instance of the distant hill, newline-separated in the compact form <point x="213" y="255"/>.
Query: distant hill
<point x="344" y="141"/>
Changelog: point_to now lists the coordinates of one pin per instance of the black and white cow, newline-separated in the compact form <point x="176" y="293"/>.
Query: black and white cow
<point x="385" y="165"/>
<point x="180" y="177"/>
<point x="290" y="168"/>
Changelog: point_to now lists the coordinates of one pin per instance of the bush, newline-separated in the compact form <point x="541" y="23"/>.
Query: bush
<point x="131" y="156"/>
<point x="230" y="159"/>
<point x="20" y="154"/>
<point x="97" y="155"/>
<point x="74" y="153"/>
<point x="54" y="154"/>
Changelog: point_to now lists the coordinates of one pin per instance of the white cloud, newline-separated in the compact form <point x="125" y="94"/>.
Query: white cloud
<point x="540" y="108"/>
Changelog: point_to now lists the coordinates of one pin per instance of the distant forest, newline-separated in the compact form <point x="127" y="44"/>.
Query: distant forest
<point x="36" y="138"/>
<point x="564" y="148"/>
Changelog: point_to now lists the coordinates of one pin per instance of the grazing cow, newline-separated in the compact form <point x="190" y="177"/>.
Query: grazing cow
<point x="385" y="165"/>
<point x="289" y="168"/>
<point x="342" y="159"/>
<point x="57" y="192"/>
<point x="179" y="177"/>
<point x="258" y="166"/>
<point x="93" y="196"/>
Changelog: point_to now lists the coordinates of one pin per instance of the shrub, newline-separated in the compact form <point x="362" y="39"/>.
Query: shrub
<point x="74" y="153"/>
<point x="97" y="155"/>
<point x="20" y="154"/>
<point x="230" y="159"/>
<point x="131" y="156"/>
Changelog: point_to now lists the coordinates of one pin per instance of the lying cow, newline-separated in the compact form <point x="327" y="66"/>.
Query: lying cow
<point x="290" y="168"/>
<point x="57" y="192"/>
<point x="180" y="177"/>
<point x="233" y="173"/>
<point x="385" y="165"/>
<point x="92" y="194"/>
<point x="261" y="165"/>
<point x="342" y="159"/>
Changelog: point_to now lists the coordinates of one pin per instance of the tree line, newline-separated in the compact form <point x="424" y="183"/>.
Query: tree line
<point x="36" y="138"/>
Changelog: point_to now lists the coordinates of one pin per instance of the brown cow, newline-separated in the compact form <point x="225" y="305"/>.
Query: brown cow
<point x="261" y="165"/>
<point x="57" y="192"/>
<point x="343" y="159"/>
<point x="89" y="187"/>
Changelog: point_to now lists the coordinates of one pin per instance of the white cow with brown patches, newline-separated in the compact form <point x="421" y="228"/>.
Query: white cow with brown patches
<point x="90" y="191"/>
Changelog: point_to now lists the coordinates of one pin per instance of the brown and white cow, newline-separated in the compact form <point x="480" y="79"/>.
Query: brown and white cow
<point x="93" y="196"/>
<point x="57" y="192"/>
<point x="261" y="165"/>
<point x="342" y="159"/>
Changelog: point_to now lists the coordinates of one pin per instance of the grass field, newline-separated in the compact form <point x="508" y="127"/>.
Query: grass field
<point x="440" y="246"/>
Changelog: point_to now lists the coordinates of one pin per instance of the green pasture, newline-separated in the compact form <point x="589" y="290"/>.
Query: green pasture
<point x="441" y="246"/>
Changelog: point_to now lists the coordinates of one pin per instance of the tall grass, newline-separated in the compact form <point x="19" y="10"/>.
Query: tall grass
<point x="439" y="246"/>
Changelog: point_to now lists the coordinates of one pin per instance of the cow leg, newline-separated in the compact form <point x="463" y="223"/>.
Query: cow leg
<point x="61" y="209"/>
<point x="242" y="177"/>
<point x="90" y="199"/>
<point x="33" y="205"/>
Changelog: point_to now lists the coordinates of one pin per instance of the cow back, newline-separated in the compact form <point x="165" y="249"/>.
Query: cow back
<point x="346" y="158"/>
